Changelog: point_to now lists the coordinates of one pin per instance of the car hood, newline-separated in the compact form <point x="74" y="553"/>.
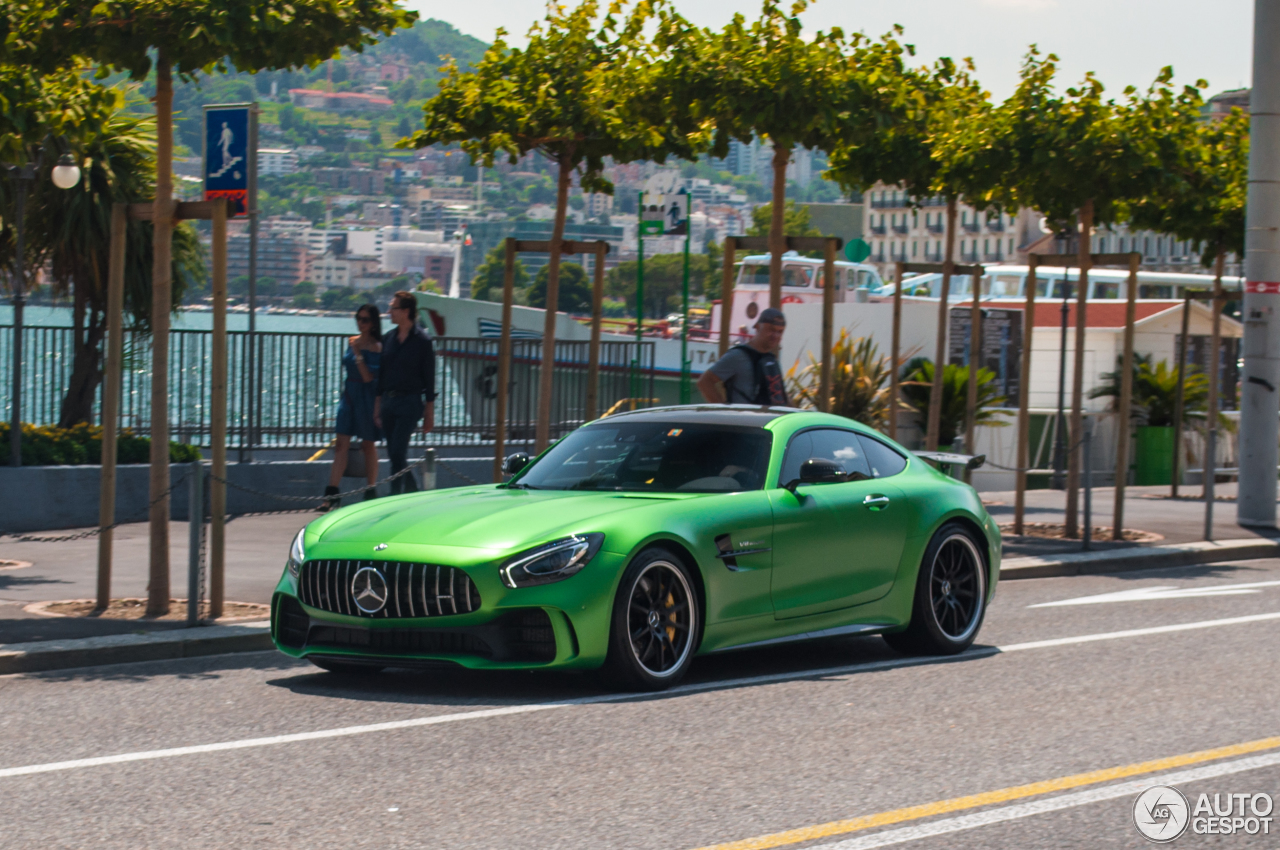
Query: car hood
<point x="478" y="518"/>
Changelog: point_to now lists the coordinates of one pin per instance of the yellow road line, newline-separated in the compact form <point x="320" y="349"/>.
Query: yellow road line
<point x="1004" y="795"/>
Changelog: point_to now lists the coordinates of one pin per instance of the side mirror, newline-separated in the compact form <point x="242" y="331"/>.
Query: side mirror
<point x="514" y="463"/>
<point x="818" y="470"/>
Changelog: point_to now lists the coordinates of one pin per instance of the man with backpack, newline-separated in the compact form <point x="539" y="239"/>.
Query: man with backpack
<point x="749" y="373"/>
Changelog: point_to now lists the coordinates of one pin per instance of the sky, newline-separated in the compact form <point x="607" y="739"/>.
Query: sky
<point x="1125" y="42"/>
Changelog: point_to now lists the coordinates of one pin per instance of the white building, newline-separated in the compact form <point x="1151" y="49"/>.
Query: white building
<point x="275" y="162"/>
<point x="330" y="272"/>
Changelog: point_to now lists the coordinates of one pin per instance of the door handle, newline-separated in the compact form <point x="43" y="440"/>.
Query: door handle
<point x="875" y="503"/>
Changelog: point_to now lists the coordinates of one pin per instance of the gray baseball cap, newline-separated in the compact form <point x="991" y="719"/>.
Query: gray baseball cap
<point x="772" y="316"/>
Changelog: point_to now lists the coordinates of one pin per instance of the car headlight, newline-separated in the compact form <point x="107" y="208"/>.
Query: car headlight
<point x="297" y="554"/>
<point x="552" y="561"/>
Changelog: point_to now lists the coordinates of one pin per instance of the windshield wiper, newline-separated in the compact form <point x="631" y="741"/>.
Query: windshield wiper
<point x="516" y="485"/>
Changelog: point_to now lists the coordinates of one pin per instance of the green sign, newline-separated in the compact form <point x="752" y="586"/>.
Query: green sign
<point x="856" y="250"/>
<point x="651" y="228"/>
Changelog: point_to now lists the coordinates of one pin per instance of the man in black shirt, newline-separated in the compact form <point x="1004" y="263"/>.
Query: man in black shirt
<point x="406" y="386"/>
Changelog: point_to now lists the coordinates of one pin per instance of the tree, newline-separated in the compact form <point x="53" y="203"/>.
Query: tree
<point x="917" y="386"/>
<point x="68" y="230"/>
<point x="765" y="79"/>
<point x="663" y="280"/>
<point x="487" y="283"/>
<point x="575" y="289"/>
<point x="795" y="221"/>
<point x="1079" y="155"/>
<point x="189" y="36"/>
<point x="429" y="284"/>
<point x="579" y="92"/>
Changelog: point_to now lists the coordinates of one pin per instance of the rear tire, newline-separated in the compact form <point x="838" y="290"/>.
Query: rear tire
<point x="656" y="623"/>
<point x="346" y="668"/>
<point x="950" y="598"/>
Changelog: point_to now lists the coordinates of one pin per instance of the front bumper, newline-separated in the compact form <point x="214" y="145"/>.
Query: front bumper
<point x="484" y="626"/>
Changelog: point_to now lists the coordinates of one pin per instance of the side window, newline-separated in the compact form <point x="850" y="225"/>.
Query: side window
<point x="883" y="460"/>
<point x="829" y="443"/>
<point x="844" y="448"/>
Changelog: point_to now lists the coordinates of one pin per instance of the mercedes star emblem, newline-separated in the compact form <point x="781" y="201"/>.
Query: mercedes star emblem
<point x="379" y="547"/>
<point x="369" y="590"/>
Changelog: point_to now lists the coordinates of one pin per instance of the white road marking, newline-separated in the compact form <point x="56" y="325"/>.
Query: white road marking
<point x="1170" y="591"/>
<point x="723" y="684"/>
<point x="1052" y="804"/>
<point x="1129" y="633"/>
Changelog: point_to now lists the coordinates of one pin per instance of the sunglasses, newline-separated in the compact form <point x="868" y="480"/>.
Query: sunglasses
<point x="364" y="319"/>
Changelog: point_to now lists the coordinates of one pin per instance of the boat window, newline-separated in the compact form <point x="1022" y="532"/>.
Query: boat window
<point x="1151" y="290"/>
<point x="1106" y="290"/>
<point x="868" y="279"/>
<point x="796" y="276"/>
<point x="835" y="444"/>
<point x="755" y="274"/>
<point x="1005" y="285"/>
<point x="1063" y="289"/>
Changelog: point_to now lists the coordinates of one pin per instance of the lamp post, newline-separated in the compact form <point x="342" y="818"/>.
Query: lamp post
<point x="66" y="174"/>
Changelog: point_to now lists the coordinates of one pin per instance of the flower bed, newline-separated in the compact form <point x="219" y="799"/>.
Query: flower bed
<point x="49" y="445"/>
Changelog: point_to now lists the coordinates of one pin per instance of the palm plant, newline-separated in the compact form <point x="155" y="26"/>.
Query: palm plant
<point x="71" y="236"/>
<point x="1155" y="388"/>
<point x="859" y="379"/>
<point x="917" y="382"/>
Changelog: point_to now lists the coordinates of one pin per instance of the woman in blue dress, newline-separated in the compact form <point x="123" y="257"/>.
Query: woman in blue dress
<point x="355" y="410"/>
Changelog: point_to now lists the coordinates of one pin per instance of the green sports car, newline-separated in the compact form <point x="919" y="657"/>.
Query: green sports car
<point x="643" y="539"/>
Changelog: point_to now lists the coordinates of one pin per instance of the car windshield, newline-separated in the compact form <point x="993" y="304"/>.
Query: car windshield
<point x="661" y="457"/>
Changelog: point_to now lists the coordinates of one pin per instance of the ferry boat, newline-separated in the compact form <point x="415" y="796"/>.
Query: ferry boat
<point x="1008" y="282"/>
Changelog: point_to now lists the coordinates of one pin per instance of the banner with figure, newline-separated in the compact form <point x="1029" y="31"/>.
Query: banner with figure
<point x="227" y="155"/>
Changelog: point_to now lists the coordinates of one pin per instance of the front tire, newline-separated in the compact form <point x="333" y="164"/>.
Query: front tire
<point x="655" y="624"/>
<point x="950" y="598"/>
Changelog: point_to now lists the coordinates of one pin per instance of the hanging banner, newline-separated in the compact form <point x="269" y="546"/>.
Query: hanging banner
<point x="227" y="155"/>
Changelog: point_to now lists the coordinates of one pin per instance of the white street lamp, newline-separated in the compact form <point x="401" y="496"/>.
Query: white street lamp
<point x="66" y="173"/>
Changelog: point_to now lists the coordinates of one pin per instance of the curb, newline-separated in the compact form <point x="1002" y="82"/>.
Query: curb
<point x="121" y="649"/>
<point x="1139" y="558"/>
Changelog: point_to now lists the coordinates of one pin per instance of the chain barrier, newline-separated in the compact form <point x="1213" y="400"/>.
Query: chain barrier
<point x="94" y="532"/>
<point x="455" y="471"/>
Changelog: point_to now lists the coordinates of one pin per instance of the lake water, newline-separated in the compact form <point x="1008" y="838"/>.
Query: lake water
<point x="61" y="317"/>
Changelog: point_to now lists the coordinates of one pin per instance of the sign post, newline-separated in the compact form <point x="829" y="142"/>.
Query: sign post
<point x="231" y="172"/>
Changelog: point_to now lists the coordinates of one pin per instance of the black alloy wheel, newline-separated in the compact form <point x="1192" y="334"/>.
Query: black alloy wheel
<point x="955" y="586"/>
<point x="950" y="598"/>
<point x="655" y="627"/>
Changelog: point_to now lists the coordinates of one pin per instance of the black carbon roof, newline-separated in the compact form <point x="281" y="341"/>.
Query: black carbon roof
<point x="749" y="415"/>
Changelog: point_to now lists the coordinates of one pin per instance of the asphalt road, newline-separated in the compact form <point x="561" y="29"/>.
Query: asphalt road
<point x="785" y="742"/>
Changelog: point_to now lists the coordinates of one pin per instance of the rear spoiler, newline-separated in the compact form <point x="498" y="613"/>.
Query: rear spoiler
<point x="969" y="462"/>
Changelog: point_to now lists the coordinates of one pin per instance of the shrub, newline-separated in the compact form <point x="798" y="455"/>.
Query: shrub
<point x="49" y="445"/>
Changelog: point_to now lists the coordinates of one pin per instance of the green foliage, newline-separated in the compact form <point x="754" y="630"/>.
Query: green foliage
<point x="795" y="220"/>
<point x="429" y="284"/>
<point x="340" y="299"/>
<point x="575" y="289"/>
<point x="576" y="93"/>
<point x="304" y="301"/>
<point x="663" y="281"/>
<point x="1063" y="151"/>
<point x="304" y="287"/>
<point x="487" y="283"/>
<point x="859" y="381"/>
<point x="194" y="35"/>
<point x="918" y="382"/>
<point x="1155" y="389"/>
<point x="1205" y="201"/>
<point x="47" y="445"/>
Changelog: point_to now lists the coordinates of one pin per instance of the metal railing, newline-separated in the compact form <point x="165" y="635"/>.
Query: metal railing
<point x="300" y="380"/>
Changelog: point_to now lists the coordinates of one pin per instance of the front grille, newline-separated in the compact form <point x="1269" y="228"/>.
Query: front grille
<point x="521" y="635"/>
<point x="413" y="590"/>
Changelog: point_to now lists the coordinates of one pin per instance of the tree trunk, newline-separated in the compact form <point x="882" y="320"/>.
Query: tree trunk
<point x="161" y="304"/>
<point x="546" y="374"/>
<point x="86" y="374"/>
<point x="934" y="424"/>
<point x="777" y="224"/>
<point x="1076" y="431"/>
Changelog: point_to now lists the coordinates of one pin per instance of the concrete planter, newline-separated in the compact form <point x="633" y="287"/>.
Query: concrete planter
<point x="44" y="498"/>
